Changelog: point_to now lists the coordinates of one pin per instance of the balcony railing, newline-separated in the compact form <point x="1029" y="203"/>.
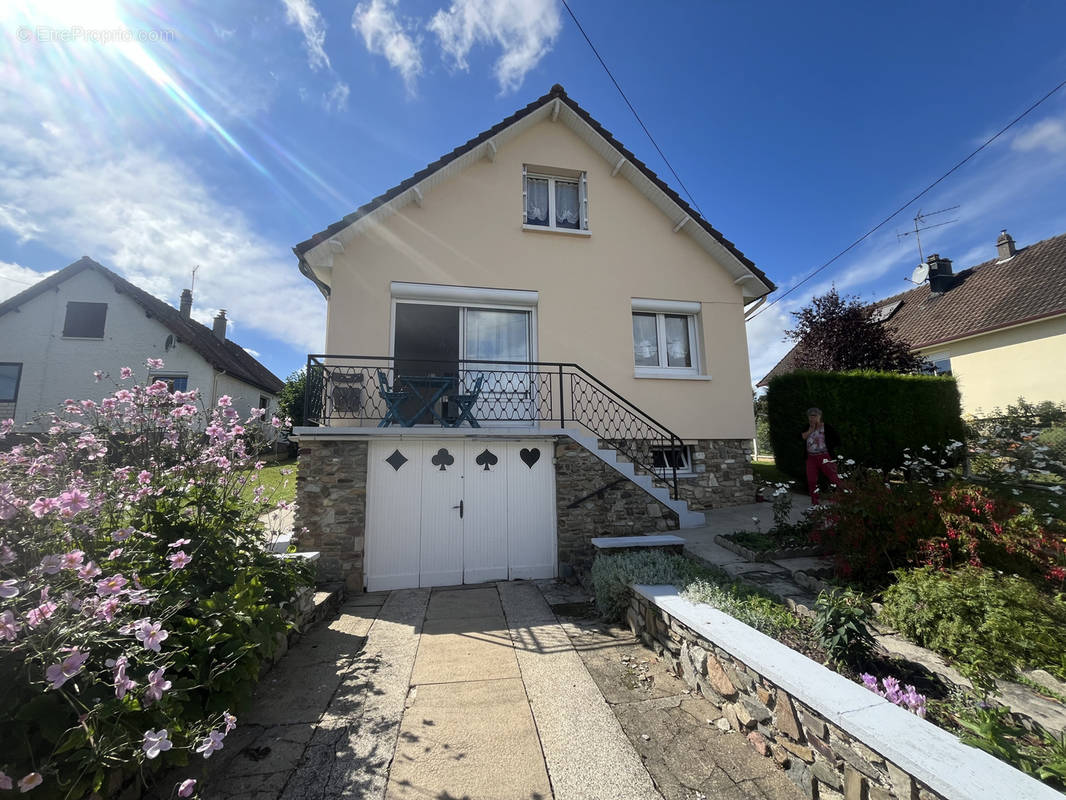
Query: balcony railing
<point x="386" y="392"/>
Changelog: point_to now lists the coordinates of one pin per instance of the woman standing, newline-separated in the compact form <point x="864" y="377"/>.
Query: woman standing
<point x="822" y="441"/>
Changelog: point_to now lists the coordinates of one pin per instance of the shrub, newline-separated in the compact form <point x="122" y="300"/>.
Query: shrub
<point x="987" y="622"/>
<point x="841" y="624"/>
<point x="878" y="415"/>
<point x="138" y="601"/>
<point x="612" y="575"/>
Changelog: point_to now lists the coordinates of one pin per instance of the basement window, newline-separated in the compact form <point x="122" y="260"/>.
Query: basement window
<point x="664" y="459"/>
<point x="85" y="320"/>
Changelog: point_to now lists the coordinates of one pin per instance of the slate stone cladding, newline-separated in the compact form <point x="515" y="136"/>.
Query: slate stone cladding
<point x="331" y="498"/>
<point x="723" y="475"/>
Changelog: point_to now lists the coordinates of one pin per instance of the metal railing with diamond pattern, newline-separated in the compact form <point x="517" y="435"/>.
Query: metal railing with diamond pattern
<point x="383" y="391"/>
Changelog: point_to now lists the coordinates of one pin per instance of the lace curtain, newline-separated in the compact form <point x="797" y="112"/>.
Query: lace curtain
<point x="536" y="201"/>
<point x="567" y="204"/>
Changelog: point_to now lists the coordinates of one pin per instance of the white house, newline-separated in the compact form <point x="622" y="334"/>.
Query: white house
<point x="85" y="318"/>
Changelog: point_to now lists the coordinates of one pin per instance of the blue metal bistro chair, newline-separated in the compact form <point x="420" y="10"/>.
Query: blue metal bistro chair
<point x="393" y="400"/>
<point x="464" y="404"/>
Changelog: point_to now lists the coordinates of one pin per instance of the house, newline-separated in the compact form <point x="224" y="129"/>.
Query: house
<point x="552" y="349"/>
<point x="999" y="327"/>
<point x="85" y="317"/>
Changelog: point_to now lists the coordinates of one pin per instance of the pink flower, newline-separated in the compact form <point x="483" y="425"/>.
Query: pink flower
<point x="73" y="501"/>
<point x="157" y="684"/>
<point x="179" y="560"/>
<point x="214" y="431"/>
<point x="122" y="534"/>
<point x="8" y="589"/>
<point x="50" y="565"/>
<point x="186" y="788"/>
<point x="7" y="555"/>
<point x="108" y="403"/>
<point x="112" y="585"/>
<point x="106" y="610"/>
<point x="225" y="401"/>
<point x="144" y="477"/>
<point x="41" y="614"/>
<point x="5" y="781"/>
<point x="179" y="543"/>
<point x="122" y="683"/>
<point x="9" y="627"/>
<point x="154" y="363"/>
<point x="114" y="554"/>
<point x="126" y="372"/>
<point x="31" y="781"/>
<point x="98" y="375"/>
<point x="156" y="742"/>
<point x="58" y="674"/>
<point x="212" y="743"/>
<point x="138" y="597"/>
<point x="124" y="396"/>
<point x="89" y="571"/>
<point x="150" y="634"/>
<point x="157" y="389"/>
<point x="43" y="505"/>
<point x="274" y="421"/>
<point x="230" y="720"/>
<point x="72" y="560"/>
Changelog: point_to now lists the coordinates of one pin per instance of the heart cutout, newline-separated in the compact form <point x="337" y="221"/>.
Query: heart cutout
<point x="530" y="456"/>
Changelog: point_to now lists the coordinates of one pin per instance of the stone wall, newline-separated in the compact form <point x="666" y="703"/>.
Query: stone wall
<point x="616" y="506"/>
<point x="331" y="512"/>
<point x="723" y="475"/>
<point x="825" y="761"/>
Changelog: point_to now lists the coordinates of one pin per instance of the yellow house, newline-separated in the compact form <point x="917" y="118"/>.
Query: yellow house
<point x="998" y="327"/>
<point x="531" y="342"/>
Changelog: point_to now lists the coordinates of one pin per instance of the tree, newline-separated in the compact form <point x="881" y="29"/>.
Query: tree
<point x="835" y="333"/>
<point x="291" y="399"/>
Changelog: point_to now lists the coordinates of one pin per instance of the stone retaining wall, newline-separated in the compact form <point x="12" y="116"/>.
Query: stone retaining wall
<point x="824" y="760"/>
<point x="723" y="475"/>
<point x="617" y="506"/>
<point x="331" y="507"/>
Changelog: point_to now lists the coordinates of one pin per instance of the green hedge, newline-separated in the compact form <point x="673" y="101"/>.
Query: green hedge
<point x="877" y="415"/>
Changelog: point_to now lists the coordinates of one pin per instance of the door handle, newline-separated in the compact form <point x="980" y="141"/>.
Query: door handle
<point x="460" y="507"/>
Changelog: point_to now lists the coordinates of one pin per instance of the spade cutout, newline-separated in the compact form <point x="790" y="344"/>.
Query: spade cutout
<point x="396" y="460"/>
<point x="530" y="456"/>
<point x="443" y="459"/>
<point x="486" y="460"/>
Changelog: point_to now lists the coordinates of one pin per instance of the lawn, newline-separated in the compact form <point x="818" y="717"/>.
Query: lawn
<point x="767" y="472"/>
<point x="276" y="485"/>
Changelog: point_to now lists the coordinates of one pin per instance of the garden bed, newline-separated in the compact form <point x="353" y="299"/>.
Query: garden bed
<point x="756" y="546"/>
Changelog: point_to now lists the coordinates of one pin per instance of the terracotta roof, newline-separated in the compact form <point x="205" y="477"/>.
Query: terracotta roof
<point x="557" y="92"/>
<point x="996" y="294"/>
<point x="227" y="355"/>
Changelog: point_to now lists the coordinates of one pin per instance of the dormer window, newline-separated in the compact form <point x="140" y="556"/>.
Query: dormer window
<point x="555" y="199"/>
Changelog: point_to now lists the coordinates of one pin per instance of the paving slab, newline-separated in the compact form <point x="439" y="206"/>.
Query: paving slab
<point x="474" y="739"/>
<point x="464" y="649"/>
<point x="453" y="603"/>
<point x="587" y="754"/>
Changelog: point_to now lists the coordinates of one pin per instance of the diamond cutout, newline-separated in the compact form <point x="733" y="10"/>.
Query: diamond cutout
<point x="396" y="460"/>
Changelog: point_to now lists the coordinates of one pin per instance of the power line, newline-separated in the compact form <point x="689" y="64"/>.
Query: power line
<point x="899" y="210"/>
<point x="635" y="114"/>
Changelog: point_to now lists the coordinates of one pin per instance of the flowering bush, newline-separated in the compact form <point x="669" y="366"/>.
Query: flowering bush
<point x="137" y="601"/>
<point x="905" y="697"/>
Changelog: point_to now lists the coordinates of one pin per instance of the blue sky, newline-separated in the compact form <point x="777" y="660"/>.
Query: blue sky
<point x="235" y="130"/>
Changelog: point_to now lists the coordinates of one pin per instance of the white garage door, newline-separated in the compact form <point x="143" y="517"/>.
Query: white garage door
<point x="450" y="511"/>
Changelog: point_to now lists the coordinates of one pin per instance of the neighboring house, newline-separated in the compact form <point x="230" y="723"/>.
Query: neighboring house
<point x="85" y="318"/>
<point x="546" y="313"/>
<point x="998" y="327"/>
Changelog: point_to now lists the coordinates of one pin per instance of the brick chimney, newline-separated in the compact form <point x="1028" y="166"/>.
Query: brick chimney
<point x="1005" y="246"/>
<point x="186" y="303"/>
<point x="940" y="275"/>
<point x="220" y="325"/>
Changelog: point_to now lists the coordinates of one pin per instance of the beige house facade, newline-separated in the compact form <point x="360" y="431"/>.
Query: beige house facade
<point x="545" y="271"/>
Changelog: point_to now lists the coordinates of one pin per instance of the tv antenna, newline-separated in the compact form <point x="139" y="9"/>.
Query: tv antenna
<point x="919" y="226"/>
<point x="193" y="283"/>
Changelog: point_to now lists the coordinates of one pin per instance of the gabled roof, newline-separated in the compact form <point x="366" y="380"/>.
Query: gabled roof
<point x="557" y="93"/>
<point x="1028" y="286"/>
<point x="226" y="355"/>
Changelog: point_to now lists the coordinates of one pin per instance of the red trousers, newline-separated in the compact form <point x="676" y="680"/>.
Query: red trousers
<point x="820" y="464"/>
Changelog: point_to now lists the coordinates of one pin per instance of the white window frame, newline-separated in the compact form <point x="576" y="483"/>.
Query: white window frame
<point x="551" y="176"/>
<point x="685" y="470"/>
<point x="940" y="357"/>
<point x="692" y="310"/>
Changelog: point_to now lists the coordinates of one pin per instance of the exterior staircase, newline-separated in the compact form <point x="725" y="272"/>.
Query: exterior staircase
<point x="686" y="517"/>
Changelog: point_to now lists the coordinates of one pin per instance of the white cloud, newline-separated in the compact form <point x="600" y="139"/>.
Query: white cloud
<point x="152" y="219"/>
<point x="251" y="352"/>
<point x="383" y="33"/>
<point x="525" y="30"/>
<point x="15" y="278"/>
<point x="766" y="345"/>
<point x="1048" y="134"/>
<point x="305" y="16"/>
<point x="336" y="99"/>
<point x="17" y="221"/>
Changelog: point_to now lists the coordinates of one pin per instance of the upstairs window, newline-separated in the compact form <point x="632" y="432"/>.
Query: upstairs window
<point x="665" y="341"/>
<point x="941" y="366"/>
<point x="85" y="320"/>
<point x="10" y="374"/>
<point x="555" y="201"/>
<point x="175" y="383"/>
